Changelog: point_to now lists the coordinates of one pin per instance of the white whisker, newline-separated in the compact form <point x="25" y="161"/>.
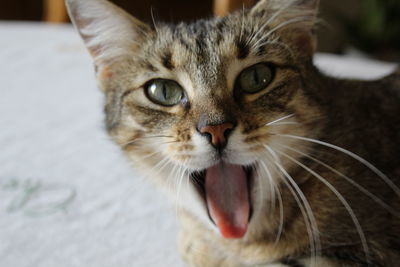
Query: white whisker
<point x="279" y="120"/>
<point x="170" y="178"/>
<point x="351" y="154"/>
<point x="162" y="164"/>
<point x="351" y="181"/>
<point x="260" y="188"/>
<point x="242" y="27"/>
<point x="286" y="123"/>
<point x="272" y="152"/>
<point x="154" y="21"/>
<point x="342" y="200"/>
<point x="182" y="172"/>
<point x="280" y="229"/>
<point x="268" y="22"/>
<point x="283" y="24"/>
<point x="275" y="42"/>
<point x="144" y="138"/>
<point x="271" y="182"/>
<point x="276" y="188"/>
<point x="133" y="162"/>
<point x="312" y="232"/>
<point x="311" y="223"/>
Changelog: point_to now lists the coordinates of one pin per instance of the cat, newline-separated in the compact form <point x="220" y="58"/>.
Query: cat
<point x="270" y="162"/>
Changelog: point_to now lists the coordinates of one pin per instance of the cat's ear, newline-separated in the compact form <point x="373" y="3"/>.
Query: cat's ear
<point x="108" y="31"/>
<point x="311" y="5"/>
<point x="295" y="20"/>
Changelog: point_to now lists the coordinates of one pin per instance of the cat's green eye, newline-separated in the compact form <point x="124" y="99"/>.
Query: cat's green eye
<point x="255" y="78"/>
<point x="164" y="92"/>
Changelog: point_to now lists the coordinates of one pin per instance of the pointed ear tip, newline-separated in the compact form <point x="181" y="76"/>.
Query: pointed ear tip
<point x="280" y="3"/>
<point x="74" y="3"/>
<point x="70" y="2"/>
<point x="75" y="6"/>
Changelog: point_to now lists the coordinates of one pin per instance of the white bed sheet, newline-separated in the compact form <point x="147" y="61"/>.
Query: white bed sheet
<point x="67" y="195"/>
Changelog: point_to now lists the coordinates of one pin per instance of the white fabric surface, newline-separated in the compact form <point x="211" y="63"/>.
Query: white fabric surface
<point x="67" y="195"/>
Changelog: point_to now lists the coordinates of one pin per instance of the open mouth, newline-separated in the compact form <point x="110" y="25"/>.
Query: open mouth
<point x="226" y="190"/>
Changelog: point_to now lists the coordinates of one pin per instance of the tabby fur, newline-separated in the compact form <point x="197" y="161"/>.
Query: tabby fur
<point x="205" y="57"/>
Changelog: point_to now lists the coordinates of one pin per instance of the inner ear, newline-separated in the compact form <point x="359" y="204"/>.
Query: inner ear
<point x="108" y="31"/>
<point x="294" y="20"/>
<point x="303" y="41"/>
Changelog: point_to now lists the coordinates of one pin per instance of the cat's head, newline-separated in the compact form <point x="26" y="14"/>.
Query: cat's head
<point x="202" y="108"/>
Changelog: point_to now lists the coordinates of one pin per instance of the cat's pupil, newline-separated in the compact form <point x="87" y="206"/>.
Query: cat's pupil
<point x="164" y="92"/>
<point x="255" y="78"/>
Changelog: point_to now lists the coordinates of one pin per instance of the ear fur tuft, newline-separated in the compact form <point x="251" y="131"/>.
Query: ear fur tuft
<point x="299" y="18"/>
<point x="108" y="31"/>
<point x="277" y="4"/>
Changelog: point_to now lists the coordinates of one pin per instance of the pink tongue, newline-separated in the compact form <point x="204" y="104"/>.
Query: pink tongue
<point x="228" y="199"/>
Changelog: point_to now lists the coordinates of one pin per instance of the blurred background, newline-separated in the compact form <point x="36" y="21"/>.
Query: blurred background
<point x="368" y="27"/>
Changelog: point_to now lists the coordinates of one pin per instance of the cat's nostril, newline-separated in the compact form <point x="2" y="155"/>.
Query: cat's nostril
<point x="218" y="134"/>
<point x="208" y="136"/>
<point x="228" y="132"/>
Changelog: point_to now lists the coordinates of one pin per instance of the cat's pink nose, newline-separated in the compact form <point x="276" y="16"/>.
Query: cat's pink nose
<point x="218" y="133"/>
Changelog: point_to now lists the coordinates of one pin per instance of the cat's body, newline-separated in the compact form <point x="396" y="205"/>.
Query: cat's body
<point x="231" y="118"/>
<point x="365" y="121"/>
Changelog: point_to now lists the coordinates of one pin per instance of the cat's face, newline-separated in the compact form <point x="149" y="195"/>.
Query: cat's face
<point x="201" y="107"/>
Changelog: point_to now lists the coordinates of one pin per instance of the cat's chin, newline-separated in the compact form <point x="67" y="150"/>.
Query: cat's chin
<point x="225" y="189"/>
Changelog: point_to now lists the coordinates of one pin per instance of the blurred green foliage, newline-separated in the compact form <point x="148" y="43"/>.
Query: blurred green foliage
<point x="377" y="30"/>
